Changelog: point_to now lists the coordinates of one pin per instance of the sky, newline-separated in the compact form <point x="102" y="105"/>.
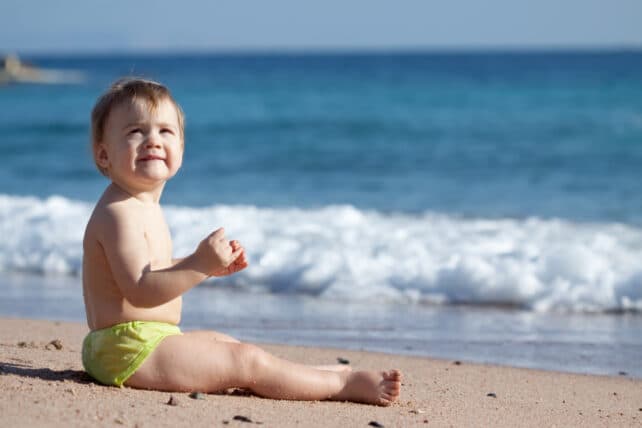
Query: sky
<point x="70" y="26"/>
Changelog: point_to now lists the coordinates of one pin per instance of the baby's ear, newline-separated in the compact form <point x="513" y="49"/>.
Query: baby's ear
<point x="101" y="156"/>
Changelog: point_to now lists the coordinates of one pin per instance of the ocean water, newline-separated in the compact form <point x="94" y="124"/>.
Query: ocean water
<point x="486" y="204"/>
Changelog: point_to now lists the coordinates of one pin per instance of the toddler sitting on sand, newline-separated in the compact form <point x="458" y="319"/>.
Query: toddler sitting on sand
<point x="132" y="287"/>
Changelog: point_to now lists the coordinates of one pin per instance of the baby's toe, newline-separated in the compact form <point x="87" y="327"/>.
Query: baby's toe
<point x="391" y="386"/>
<point x="393" y="375"/>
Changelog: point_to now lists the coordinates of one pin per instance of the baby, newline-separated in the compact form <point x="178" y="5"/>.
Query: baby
<point x="132" y="287"/>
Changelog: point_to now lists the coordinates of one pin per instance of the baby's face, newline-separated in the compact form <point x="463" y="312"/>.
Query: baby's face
<point x="141" y="146"/>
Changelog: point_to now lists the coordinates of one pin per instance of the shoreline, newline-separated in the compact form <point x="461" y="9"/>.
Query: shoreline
<point x="46" y="386"/>
<point x="600" y="344"/>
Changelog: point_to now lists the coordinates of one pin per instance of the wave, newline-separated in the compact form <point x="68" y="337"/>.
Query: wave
<point x="343" y="253"/>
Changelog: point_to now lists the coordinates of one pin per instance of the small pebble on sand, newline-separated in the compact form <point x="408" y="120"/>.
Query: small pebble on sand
<point x="491" y="394"/>
<point x="197" y="395"/>
<point x="343" y="360"/>
<point x="56" y="343"/>
<point x="242" y="418"/>
<point x="375" y="424"/>
<point x="172" y="401"/>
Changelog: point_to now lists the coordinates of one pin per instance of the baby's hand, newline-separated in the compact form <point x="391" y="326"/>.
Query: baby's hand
<point x="237" y="265"/>
<point x="218" y="255"/>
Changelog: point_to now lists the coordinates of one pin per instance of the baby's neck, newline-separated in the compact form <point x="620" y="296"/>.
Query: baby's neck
<point x="145" y="196"/>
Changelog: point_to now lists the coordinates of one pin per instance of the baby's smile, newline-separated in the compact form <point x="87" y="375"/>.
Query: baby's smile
<point x="151" y="158"/>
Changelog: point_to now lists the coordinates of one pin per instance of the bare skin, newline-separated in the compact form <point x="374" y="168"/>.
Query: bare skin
<point x="129" y="275"/>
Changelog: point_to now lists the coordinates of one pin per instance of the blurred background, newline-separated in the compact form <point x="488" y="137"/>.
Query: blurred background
<point x="470" y="168"/>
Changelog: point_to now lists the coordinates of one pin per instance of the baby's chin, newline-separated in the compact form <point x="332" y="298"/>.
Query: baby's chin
<point x="155" y="172"/>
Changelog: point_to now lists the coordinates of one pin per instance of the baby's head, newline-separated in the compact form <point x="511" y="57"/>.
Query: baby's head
<point x="128" y="90"/>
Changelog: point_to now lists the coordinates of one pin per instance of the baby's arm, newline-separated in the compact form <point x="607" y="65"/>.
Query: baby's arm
<point x="129" y="259"/>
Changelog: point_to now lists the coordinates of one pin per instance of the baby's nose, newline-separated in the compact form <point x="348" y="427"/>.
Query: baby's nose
<point x="152" y="140"/>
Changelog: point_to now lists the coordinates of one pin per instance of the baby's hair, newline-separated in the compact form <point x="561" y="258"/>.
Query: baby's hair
<point x="128" y="89"/>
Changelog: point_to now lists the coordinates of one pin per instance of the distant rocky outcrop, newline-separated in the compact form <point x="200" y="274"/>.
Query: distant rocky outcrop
<point x="13" y="70"/>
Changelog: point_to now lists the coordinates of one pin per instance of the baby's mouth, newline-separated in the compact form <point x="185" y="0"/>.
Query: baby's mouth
<point x="150" y="158"/>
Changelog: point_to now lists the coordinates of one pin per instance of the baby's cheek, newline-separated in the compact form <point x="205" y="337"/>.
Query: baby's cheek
<point x="177" y="161"/>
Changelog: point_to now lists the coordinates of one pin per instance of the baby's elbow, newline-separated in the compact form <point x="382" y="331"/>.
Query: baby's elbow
<point x="139" y="299"/>
<point x="134" y="294"/>
<point x="132" y="297"/>
<point x="143" y="294"/>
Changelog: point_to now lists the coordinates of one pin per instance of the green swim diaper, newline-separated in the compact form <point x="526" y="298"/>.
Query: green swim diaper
<point x="111" y="355"/>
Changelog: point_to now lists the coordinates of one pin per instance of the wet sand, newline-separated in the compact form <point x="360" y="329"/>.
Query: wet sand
<point x="41" y="385"/>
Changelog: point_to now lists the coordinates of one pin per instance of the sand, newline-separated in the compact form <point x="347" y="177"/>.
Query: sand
<point x="41" y="385"/>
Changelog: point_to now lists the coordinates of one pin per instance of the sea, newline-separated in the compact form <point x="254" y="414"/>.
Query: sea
<point x="481" y="206"/>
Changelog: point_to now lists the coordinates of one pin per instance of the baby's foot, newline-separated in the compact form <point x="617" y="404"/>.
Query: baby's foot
<point x="380" y="388"/>
<point x="339" y="368"/>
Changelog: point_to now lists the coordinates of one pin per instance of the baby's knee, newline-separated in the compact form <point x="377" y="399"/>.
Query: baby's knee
<point x="251" y="360"/>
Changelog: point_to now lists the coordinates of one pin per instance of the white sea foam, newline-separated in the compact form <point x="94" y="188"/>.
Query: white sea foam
<point x="340" y="252"/>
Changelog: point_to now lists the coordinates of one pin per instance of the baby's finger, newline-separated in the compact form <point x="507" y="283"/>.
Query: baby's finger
<point x="218" y="234"/>
<point x="235" y="255"/>
<point x="240" y="263"/>
<point x="241" y="259"/>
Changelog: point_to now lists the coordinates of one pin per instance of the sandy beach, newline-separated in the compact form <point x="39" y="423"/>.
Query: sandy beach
<point x="42" y="383"/>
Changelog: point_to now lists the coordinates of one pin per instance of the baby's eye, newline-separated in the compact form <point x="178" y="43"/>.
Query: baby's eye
<point x="167" y="130"/>
<point x="135" y="131"/>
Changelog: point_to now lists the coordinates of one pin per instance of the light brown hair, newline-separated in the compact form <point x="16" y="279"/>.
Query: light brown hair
<point x="128" y="89"/>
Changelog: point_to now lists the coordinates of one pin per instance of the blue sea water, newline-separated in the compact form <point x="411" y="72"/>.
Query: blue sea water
<point x="490" y="135"/>
<point x="453" y="185"/>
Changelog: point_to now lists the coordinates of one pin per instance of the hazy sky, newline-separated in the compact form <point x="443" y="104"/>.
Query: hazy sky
<point x="95" y="25"/>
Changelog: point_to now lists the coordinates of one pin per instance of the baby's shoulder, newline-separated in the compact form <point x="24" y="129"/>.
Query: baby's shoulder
<point x="110" y="216"/>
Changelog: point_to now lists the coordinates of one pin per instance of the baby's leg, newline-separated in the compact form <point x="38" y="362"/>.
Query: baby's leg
<point x="209" y="334"/>
<point x="334" y="368"/>
<point x="193" y="363"/>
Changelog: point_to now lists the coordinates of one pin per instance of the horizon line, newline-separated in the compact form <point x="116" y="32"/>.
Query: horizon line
<point x="330" y="50"/>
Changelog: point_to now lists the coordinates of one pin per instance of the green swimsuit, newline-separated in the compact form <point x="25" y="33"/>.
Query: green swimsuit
<point x="111" y="355"/>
